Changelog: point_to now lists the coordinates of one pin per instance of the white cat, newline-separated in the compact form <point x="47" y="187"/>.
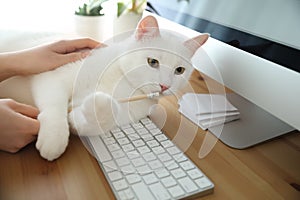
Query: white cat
<point x="151" y="60"/>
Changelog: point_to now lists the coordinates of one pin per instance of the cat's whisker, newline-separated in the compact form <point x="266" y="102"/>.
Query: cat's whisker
<point x="140" y="97"/>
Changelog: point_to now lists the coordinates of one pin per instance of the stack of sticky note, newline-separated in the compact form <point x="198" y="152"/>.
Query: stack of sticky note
<point x="207" y="110"/>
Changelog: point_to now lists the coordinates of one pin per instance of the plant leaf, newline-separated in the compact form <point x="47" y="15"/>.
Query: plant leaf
<point x="121" y="8"/>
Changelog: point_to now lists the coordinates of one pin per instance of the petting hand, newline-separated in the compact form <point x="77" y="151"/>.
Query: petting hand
<point x="48" y="57"/>
<point x="44" y="58"/>
<point x="18" y="125"/>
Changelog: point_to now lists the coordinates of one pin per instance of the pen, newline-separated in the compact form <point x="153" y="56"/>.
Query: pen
<point x="140" y="97"/>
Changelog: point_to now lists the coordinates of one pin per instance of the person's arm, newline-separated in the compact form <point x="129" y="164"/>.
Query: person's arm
<point x="5" y="70"/>
<point x="44" y="58"/>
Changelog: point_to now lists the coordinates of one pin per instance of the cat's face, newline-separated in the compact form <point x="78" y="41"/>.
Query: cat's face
<point x="159" y="61"/>
<point x="156" y="70"/>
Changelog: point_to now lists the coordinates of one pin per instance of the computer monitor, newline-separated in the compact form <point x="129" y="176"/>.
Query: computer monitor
<point x="255" y="46"/>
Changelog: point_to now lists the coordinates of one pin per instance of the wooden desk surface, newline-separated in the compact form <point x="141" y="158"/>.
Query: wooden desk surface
<point x="267" y="171"/>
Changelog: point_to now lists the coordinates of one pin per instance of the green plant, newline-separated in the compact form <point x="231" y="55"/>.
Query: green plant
<point x="92" y="8"/>
<point x="136" y="6"/>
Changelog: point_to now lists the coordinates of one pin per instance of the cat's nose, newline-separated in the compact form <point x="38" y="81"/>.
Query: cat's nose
<point x="163" y="87"/>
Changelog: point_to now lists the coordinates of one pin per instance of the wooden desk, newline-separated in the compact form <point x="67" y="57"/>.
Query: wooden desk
<point x="267" y="171"/>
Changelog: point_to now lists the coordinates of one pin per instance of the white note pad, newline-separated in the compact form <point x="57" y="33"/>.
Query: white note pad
<point x="207" y="110"/>
<point x="208" y="103"/>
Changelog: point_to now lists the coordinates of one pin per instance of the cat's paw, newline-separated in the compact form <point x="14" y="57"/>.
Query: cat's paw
<point x="100" y="110"/>
<point x="53" y="138"/>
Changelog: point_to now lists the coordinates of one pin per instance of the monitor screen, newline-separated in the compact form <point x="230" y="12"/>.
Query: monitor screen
<point x="269" y="29"/>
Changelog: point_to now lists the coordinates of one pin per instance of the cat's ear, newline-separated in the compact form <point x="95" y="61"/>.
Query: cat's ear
<point x="147" y="28"/>
<point x="196" y="42"/>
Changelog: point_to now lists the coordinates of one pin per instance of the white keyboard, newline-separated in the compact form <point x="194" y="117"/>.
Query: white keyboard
<point x="140" y="162"/>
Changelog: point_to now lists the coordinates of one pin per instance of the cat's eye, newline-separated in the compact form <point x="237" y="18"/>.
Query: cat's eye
<point x="153" y="62"/>
<point x="179" y="70"/>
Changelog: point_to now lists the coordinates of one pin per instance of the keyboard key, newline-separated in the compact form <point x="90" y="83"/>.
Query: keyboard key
<point x="188" y="185"/>
<point x="145" y="169"/>
<point x="171" y="165"/>
<point x="119" y="135"/>
<point x="106" y="135"/>
<point x="150" y="126"/>
<point x="158" y="150"/>
<point x="146" y="121"/>
<point x="110" y="166"/>
<point x="138" y="143"/>
<point x="162" y="172"/>
<point x="173" y="150"/>
<point x="142" y="191"/>
<point x="152" y="143"/>
<point x="155" y="164"/>
<point x="178" y="173"/>
<point x="159" y="191"/>
<point x="129" y="130"/>
<point x="203" y="182"/>
<point x="166" y="143"/>
<point x="147" y="137"/>
<point x="180" y="157"/>
<point x="109" y="141"/>
<point x="143" y="149"/>
<point x="176" y="191"/>
<point x="138" y="162"/>
<point x="149" y="156"/>
<point x="120" y="185"/>
<point x="133" y="136"/>
<point x="133" y="154"/>
<point x="113" y="147"/>
<point x="169" y="181"/>
<point x="118" y="154"/>
<point x="122" y="161"/>
<point x="116" y="175"/>
<point x="195" y="173"/>
<point x="187" y="165"/>
<point x="164" y="157"/>
<point x="100" y="149"/>
<point x="127" y="169"/>
<point x="123" y="141"/>
<point x="161" y="137"/>
<point x="137" y="126"/>
<point x="150" y="178"/>
<point x="128" y="147"/>
<point x="126" y="194"/>
<point x="142" y="131"/>
<point x="115" y="130"/>
<point x="133" y="178"/>
<point x="156" y="131"/>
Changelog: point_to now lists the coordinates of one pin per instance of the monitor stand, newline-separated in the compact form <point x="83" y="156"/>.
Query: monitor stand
<point x="254" y="126"/>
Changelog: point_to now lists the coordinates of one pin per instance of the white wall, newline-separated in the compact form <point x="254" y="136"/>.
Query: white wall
<point x="37" y="15"/>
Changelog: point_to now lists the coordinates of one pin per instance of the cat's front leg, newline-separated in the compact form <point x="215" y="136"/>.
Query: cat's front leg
<point x="52" y="100"/>
<point x="96" y="115"/>
<point x="53" y="135"/>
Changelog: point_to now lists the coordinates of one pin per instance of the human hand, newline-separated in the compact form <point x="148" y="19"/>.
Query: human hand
<point x="47" y="57"/>
<point x="51" y="56"/>
<point x="18" y="125"/>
